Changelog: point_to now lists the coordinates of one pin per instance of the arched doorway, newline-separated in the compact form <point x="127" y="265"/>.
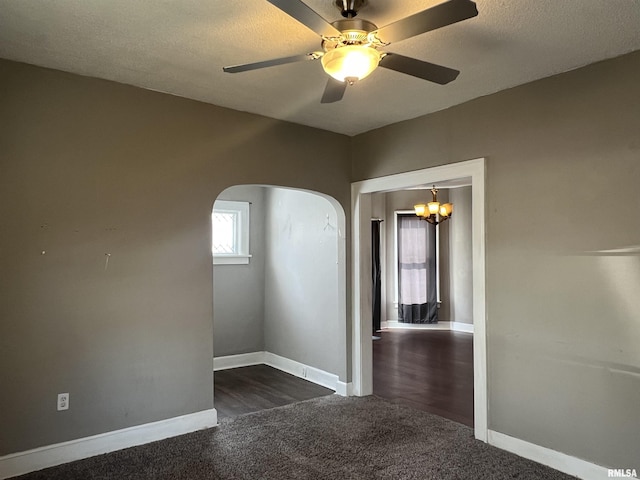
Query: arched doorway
<point x="282" y="303"/>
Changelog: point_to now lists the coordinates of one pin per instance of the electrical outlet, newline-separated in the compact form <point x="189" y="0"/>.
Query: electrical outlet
<point x="63" y="401"/>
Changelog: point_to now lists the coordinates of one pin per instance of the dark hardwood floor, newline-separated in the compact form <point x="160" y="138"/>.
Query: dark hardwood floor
<point x="429" y="370"/>
<point x="258" y="387"/>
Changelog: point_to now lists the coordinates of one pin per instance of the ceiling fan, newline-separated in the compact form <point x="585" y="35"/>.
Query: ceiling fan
<point x="351" y="46"/>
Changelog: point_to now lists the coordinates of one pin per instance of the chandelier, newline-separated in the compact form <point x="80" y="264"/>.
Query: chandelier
<point x="433" y="212"/>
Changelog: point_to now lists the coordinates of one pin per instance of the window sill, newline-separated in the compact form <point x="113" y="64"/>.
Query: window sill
<point x="231" y="259"/>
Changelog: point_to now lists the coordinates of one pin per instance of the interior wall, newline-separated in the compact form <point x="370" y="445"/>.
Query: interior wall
<point x="302" y="319"/>
<point x="460" y="256"/>
<point x="93" y="170"/>
<point x="562" y="265"/>
<point x="238" y="290"/>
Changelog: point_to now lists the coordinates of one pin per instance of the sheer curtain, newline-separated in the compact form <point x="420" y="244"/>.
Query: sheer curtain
<point x="417" y="301"/>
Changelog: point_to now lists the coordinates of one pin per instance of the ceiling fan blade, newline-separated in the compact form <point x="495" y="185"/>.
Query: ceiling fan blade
<point x="334" y="91"/>
<point x="271" y="63"/>
<point x="306" y="16"/>
<point x="431" y="19"/>
<point x="418" y="68"/>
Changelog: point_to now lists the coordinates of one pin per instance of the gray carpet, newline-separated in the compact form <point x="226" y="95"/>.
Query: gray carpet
<point x="325" y="438"/>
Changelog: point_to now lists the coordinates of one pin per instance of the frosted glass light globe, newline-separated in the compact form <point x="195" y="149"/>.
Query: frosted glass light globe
<point x="350" y="63"/>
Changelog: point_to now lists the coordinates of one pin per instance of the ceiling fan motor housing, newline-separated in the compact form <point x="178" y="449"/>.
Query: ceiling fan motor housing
<point x="354" y="31"/>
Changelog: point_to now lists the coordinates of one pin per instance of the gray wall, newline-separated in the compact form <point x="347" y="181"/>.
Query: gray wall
<point x="90" y="167"/>
<point x="460" y="256"/>
<point x="562" y="321"/>
<point x="238" y="290"/>
<point x="301" y="281"/>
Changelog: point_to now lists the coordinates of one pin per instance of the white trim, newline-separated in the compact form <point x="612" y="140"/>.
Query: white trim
<point x="361" y="316"/>
<point x="462" y="327"/>
<point x="236" y="361"/>
<point x="361" y="273"/>
<point x="560" y="461"/>
<point x="344" y="389"/>
<point x="231" y="259"/>
<point x="453" y="326"/>
<point x="395" y="325"/>
<point x="57" y="454"/>
<point x="315" y="375"/>
<point x="297" y="369"/>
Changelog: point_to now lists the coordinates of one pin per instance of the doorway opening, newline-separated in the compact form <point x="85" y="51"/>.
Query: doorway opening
<point x="424" y="356"/>
<point x="362" y="288"/>
<point x="279" y="297"/>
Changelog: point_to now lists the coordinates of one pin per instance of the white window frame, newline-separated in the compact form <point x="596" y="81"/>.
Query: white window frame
<point x="241" y="253"/>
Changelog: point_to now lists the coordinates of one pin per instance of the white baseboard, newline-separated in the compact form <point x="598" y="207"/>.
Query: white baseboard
<point x="344" y="389"/>
<point x="59" y="453"/>
<point x="315" y="375"/>
<point x="462" y="327"/>
<point x="236" y="361"/>
<point x="395" y="325"/>
<point x="560" y="461"/>
<point x="312" y="374"/>
<point x="454" y="326"/>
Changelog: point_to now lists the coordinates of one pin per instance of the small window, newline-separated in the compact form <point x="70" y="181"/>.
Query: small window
<point x="230" y="232"/>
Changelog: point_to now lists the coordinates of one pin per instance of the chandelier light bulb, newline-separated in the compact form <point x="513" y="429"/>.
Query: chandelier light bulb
<point x="434" y="207"/>
<point x="446" y="209"/>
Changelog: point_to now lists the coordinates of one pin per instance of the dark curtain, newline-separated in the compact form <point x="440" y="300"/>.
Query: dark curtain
<point x="376" y="274"/>
<point x="417" y="296"/>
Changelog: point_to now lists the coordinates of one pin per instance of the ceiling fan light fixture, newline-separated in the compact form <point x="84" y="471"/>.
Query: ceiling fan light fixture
<point x="352" y="47"/>
<point x="350" y="62"/>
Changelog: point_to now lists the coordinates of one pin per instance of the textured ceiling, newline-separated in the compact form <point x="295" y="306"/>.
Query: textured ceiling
<point x="180" y="47"/>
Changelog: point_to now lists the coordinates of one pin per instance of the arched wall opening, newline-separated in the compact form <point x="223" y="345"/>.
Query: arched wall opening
<point x="286" y="305"/>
